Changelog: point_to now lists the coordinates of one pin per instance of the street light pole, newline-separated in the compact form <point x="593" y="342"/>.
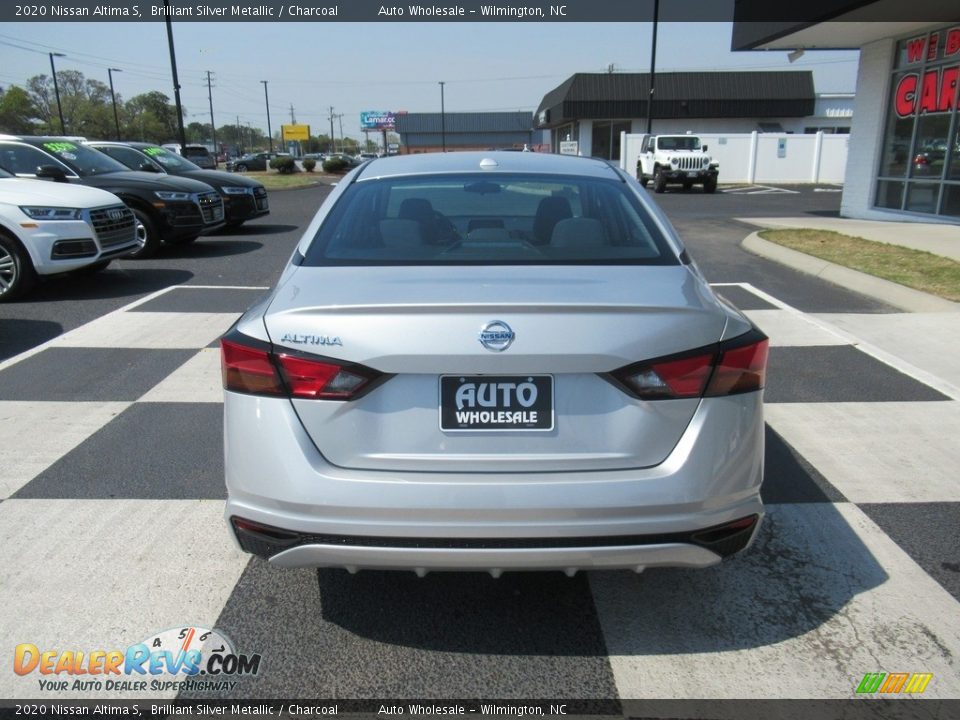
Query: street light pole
<point x="443" y="119"/>
<point x="113" y="97"/>
<point x="266" y="99"/>
<point x="213" y="127"/>
<point x="56" y="90"/>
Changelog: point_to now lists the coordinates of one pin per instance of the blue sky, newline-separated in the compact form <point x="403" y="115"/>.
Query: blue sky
<point x="378" y="66"/>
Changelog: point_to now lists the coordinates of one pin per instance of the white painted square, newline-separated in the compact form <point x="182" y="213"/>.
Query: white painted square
<point x="154" y="330"/>
<point x="878" y="452"/>
<point x="197" y="380"/>
<point x="786" y="329"/>
<point x="822" y="597"/>
<point x="106" y="574"/>
<point x="34" y="435"/>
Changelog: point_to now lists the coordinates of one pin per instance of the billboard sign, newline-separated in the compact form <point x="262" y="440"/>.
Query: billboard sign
<point x="295" y="132"/>
<point x="377" y="120"/>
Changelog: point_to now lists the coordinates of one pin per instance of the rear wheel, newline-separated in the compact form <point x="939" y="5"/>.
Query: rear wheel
<point x="659" y="181"/>
<point x="644" y="181"/>
<point x="17" y="275"/>
<point x="710" y="185"/>
<point x="240" y="168"/>
<point x="147" y="234"/>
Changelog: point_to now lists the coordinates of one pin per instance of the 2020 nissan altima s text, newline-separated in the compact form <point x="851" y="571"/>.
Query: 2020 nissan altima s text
<point x="492" y="361"/>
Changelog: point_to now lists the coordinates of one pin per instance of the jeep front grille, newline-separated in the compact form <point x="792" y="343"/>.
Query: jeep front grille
<point x="115" y="225"/>
<point x="690" y="163"/>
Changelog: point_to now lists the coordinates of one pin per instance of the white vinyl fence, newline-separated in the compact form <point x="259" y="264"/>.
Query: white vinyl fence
<point x="762" y="157"/>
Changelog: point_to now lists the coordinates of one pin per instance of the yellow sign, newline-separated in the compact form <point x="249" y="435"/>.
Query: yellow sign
<point x="295" y="132"/>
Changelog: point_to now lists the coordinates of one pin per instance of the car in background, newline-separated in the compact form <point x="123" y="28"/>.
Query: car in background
<point x="492" y="361"/>
<point x="253" y="161"/>
<point x="49" y="229"/>
<point x="174" y="210"/>
<point x="199" y="156"/>
<point x="243" y="197"/>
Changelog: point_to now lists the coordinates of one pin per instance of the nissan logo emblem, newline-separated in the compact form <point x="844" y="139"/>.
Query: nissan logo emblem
<point x="496" y="336"/>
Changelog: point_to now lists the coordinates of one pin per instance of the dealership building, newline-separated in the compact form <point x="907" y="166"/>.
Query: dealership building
<point x="593" y="109"/>
<point x="903" y="160"/>
<point x="433" y="132"/>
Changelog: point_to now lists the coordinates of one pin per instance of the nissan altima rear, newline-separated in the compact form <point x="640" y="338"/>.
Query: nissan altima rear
<point x="492" y="361"/>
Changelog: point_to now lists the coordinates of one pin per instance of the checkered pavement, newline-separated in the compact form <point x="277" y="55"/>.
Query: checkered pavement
<point x="111" y="502"/>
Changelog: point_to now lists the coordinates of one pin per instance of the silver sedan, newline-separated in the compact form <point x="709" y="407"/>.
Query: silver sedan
<point x="492" y="361"/>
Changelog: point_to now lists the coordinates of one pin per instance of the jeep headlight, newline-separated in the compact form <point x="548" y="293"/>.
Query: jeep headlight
<point x="42" y="212"/>
<point x="170" y="195"/>
<point x="706" y="162"/>
<point x="673" y="161"/>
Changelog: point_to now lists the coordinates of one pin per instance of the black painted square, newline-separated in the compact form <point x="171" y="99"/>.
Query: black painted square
<point x="162" y="451"/>
<point x="789" y="478"/>
<point x="80" y="373"/>
<point x="838" y="373"/>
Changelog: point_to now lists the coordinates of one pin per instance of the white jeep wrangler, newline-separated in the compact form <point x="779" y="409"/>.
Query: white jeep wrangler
<point x="676" y="159"/>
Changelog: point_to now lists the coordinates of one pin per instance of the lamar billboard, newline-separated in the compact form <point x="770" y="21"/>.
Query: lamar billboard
<point x="377" y="120"/>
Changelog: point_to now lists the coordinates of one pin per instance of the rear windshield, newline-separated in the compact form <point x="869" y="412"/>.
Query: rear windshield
<point x="83" y="160"/>
<point x="196" y="151"/>
<point x="170" y="161"/>
<point x="489" y="220"/>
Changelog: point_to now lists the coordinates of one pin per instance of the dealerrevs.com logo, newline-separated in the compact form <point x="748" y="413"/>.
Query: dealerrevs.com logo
<point x="186" y="658"/>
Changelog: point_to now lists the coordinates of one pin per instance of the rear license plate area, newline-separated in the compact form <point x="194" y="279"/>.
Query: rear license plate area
<point x="496" y="403"/>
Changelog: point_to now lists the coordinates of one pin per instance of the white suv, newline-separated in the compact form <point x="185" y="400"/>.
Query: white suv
<point x="52" y="228"/>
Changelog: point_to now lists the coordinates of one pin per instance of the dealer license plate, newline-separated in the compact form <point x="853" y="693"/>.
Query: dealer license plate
<point x="496" y="403"/>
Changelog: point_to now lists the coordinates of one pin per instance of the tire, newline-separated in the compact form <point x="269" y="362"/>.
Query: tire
<point x="240" y="168"/>
<point x="644" y="181"/>
<point x="659" y="181"/>
<point x="710" y="185"/>
<point x="148" y="235"/>
<point x="180" y="241"/>
<point x="17" y="275"/>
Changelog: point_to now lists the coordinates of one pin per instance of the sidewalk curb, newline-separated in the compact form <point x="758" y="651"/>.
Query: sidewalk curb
<point x="883" y="290"/>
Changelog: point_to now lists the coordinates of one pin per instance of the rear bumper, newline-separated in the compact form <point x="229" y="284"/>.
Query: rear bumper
<point x="327" y="516"/>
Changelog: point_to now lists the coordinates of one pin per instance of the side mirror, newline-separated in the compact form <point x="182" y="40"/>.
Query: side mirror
<point x="51" y="172"/>
<point x="703" y="147"/>
<point x="148" y="167"/>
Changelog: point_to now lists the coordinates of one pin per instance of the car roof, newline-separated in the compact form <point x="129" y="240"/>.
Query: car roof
<point x="496" y="162"/>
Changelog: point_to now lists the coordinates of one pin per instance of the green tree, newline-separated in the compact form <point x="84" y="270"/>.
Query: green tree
<point x="151" y="118"/>
<point x="85" y="104"/>
<point x="18" y="114"/>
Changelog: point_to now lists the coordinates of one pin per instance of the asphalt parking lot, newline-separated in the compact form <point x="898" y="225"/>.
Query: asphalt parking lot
<point x="112" y="496"/>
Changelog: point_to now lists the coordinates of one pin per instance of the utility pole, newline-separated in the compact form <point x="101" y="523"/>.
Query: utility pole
<point x="239" y="135"/>
<point x="653" y="67"/>
<point x="293" y="118"/>
<point x="213" y="125"/>
<point x="443" y="119"/>
<point x="340" y="120"/>
<point x="266" y="98"/>
<point x="333" y="143"/>
<point x="56" y="90"/>
<point x="176" y="81"/>
<point x="116" y="118"/>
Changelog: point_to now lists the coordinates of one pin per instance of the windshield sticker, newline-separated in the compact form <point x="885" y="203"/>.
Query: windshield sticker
<point x="153" y="151"/>
<point x="59" y="147"/>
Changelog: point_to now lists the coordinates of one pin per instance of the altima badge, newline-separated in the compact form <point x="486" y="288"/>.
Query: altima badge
<point x="312" y="339"/>
<point x="496" y="336"/>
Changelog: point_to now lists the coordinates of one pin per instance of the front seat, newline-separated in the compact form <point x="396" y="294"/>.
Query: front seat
<point x="550" y="211"/>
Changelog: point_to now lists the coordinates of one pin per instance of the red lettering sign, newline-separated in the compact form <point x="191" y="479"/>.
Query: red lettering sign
<point x="906" y="95"/>
<point x="953" y="42"/>
<point x="915" y="49"/>
<point x="936" y="92"/>
<point x="948" y="88"/>
<point x="933" y="45"/>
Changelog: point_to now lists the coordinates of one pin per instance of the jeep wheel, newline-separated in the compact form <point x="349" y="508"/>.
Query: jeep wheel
<point x="710" y="185"/>
<point x="659" y="181"/>
<point x="16" y="270"/>
<point x="147" y="234"/>
<point x="644" y="181"/>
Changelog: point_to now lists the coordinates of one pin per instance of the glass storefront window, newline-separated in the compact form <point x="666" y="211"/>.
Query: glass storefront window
<point x="919" y="167"/>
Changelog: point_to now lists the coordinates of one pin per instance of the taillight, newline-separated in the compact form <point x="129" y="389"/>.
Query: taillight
<point x="252" y="367"/>
<point x="921" y="160"/>
<point x="729" y="368"/>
